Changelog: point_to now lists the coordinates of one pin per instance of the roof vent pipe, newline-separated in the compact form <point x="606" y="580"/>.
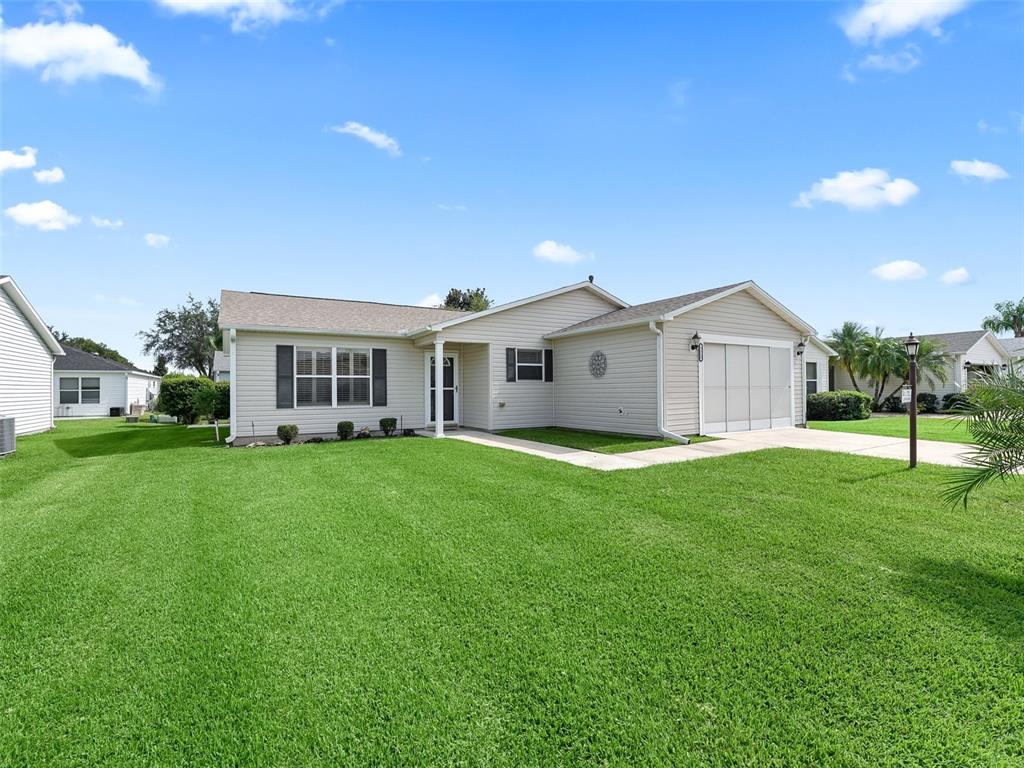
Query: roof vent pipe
<point x="590" y="278"/>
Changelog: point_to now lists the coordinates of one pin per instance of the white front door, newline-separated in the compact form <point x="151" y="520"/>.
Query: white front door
<point x="449" y="387"/>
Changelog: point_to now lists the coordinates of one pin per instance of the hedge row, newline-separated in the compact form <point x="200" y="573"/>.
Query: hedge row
<point x="840" y="405"/>
<point x="189" y="397"/>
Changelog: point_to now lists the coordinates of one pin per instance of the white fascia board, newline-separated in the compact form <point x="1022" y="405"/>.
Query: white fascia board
<point x="11" y="288"/>
<point x="434" y="327"/>
<point x="317" y="331"/>
<point x="761" y="294"/>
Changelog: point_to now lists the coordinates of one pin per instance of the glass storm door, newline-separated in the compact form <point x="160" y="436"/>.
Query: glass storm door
<point x="448" y="389"/>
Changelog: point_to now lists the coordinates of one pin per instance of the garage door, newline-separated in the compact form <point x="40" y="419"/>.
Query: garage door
<point x="746" y="387"/>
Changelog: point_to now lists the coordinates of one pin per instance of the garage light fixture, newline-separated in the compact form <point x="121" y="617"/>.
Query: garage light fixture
<point x="694" y="341"/>
<point x="800" y="348"/>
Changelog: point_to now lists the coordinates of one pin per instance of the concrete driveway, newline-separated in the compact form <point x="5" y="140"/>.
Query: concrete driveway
<point x="928" y="451"/>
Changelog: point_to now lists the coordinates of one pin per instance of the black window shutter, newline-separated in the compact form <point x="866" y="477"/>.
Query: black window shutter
<point x="549" y="365"/>
<point x="510" y="363"/>
<point x="285" y="376"/>
<point x="380" y="377"/>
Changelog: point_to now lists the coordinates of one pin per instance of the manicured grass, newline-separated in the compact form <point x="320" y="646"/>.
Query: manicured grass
<point x="167" y="602"/>
<point x="947" y="430"/>
<point x="601" y="442"/>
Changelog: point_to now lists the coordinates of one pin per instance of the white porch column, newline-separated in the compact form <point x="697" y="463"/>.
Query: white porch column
<point x="438" y="388"/>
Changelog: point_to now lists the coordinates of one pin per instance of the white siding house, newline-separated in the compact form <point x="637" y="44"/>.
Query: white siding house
<point x="575" y="357"/>
<point x="27" y="351"/>
<point x="85" y="384"/>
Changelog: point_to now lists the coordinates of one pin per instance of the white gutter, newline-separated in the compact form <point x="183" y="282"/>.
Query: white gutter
<point x="659" y="346"/>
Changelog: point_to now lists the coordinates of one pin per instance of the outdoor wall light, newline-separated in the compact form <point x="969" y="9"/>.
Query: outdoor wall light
<point x="800" y="348"/>
<point x="694" y="340"/>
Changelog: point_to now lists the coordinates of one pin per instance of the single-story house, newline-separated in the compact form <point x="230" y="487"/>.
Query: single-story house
<point x="973" y="352"/>
<point x="27" y="352"/>
<point x="221" y="367"/>
<point x="85" y="384"/>
<point x="1014" y="346"/>
<point x="728" y="358"/>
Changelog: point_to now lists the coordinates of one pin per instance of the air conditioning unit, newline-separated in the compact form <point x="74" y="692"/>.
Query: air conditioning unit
<point x="8" y="441"/>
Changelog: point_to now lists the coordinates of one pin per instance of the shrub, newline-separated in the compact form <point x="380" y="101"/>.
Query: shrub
<point x="893" y="403"/>
<point x="388" y="425"/>
<point x="287" y="432"/>
<point x="927" y="402"/>
<point x="838" y="406"/>
<point x="364" y="433"/>
<point x="214" y="402"/>
<point x="954" y="401"/>
<point x="315" y="439"/>
<point x="183" y="396"/>
<point x="345" y="429"/>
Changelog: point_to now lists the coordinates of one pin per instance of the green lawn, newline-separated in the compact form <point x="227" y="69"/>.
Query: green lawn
<point x="164" y="601"/>
<point x="947" y="430"/>
<point x="601" y="442"/>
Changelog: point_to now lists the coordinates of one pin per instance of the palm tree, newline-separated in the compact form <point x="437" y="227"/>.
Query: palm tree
<point x="994" y="409"/>
<point x="879" y="360"/>
<point x="848" y="341"/>
<point x="933" y="363"/>
<point x="1009" y="316"/>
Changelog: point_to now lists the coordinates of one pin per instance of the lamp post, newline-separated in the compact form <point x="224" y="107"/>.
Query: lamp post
<point x="912" y="344"/>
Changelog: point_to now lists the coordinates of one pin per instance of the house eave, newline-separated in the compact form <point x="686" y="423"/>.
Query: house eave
<point x="315" y="331"/>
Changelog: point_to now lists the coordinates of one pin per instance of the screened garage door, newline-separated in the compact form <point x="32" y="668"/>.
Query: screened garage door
<point x="746" y="387"/>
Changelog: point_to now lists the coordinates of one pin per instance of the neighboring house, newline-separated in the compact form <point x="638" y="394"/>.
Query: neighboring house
<point x="1014" y="346"/>
<point x="221" y="367"/>
<point x="973" y="352"/>
<point x="730" y="358"/>
<point x="85" y="384"/>
<point x="27" y="352"/>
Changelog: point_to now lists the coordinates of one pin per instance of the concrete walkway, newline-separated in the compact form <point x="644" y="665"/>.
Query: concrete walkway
<point x="928" y="451"/>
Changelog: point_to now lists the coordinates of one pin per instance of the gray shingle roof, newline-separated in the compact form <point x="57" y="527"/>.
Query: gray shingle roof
<point x="239" y="309"/>
<point x="78" y="360"/>
<point x="1015" y="346"/>
<point x="220" y="361"/>
<point x="955" y="343"/>
<point x="643" y="311"/>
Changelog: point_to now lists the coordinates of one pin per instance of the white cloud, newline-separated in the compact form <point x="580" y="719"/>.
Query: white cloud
<point x="978" y="169"/>
<point x="53" y="175"/>
<point x="45" y="216"/>
<point x="984" y="126"/>
<point x="15" y="161"/>
<point x="60" y="9"/>
<point x="955" y="276"/>
<point x="366" y="133"/>
<point x="430" y="300"/>
<point x="71" y="51"/>
<point x="101" y="223"/>
<point x="864" y="189"/>
<point x="560" y="253"/>
<point x="900" y="63"/>
<point x="878" y="20"/>
<point x="447" y="207"/>
<point x="245" y="15"/>
<point x="901" y="269"/>
<point x="154" y="240"/>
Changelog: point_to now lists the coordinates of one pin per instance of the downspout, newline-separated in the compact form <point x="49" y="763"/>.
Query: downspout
<point x="659" y="346"/>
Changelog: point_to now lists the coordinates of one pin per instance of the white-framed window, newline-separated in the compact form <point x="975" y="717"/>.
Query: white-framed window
<point x="529" y="364"/>
<point x="811" y="378"/>
<point x="353" y="376"/>
<point x="74" y="390"/>
<point x="313" y="377"/>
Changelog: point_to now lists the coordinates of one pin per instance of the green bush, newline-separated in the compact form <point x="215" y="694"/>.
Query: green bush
<point x="927" y="402"/>
<point x="184" y="396"/>
<point x="287" y="432"/>
<point x="838" y="406"/>
<point x="894" y="403"/>
<point x="954" y="401"/>
<point x="345" y="429"/>
<point x="214" y="402"/>
<point x="388" y="425"/>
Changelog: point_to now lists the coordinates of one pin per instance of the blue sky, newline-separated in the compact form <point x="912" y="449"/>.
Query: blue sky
<point x="662" y="147"/>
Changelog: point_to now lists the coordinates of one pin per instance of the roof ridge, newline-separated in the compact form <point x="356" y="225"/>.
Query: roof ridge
<point x="348" y="301"/>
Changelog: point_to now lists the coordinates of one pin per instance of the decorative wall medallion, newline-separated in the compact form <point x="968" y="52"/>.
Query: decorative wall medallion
<point x="598" y="364"/>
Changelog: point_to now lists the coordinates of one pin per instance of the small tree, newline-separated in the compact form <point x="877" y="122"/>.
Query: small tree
<point x="1009" y="316"/>
<point x="469" y="300"/>
<point x="214" y="402"/>
<point x="188" y="335"/>
<point x="160" y="367"/>
<point x="184" y="396"/>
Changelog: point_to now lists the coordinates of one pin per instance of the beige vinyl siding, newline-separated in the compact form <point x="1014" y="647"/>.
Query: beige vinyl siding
<point x="475" y="375"/>
<point x="255" y="386"/>
<point x="526" y="403"/>
<point x="739" y="314"/>
<point x="629" y="384"/>
<point x="112" y="394"/>
<point x="814" y="355"/>
<point x="985" y="353"/>
<point x="139" y="388"/>
<point x="953" y="383"/>
<point x="26" y="371"/>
